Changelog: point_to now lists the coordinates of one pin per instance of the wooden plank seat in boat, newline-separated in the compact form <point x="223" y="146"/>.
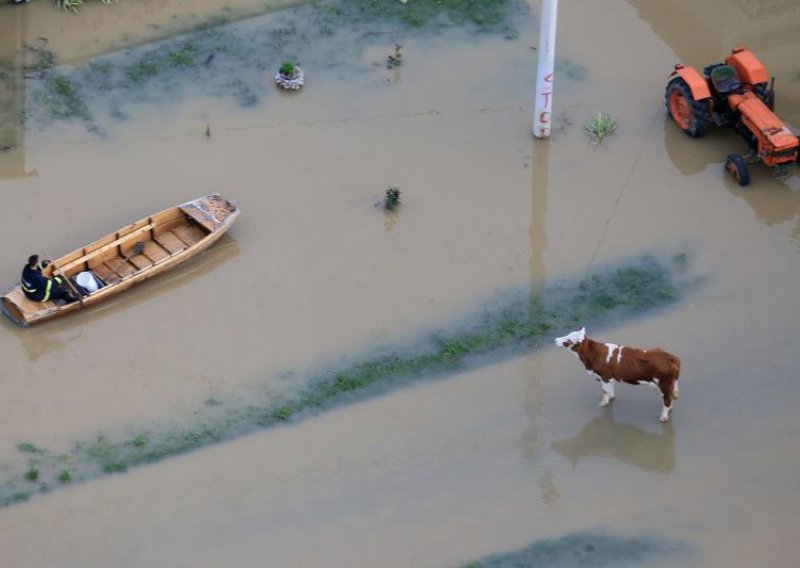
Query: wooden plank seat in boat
<point x="169" y="241"/>
<point x="189" y="234"/>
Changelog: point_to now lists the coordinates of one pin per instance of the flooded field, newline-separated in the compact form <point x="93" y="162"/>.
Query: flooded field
<point x="363" y="388"/>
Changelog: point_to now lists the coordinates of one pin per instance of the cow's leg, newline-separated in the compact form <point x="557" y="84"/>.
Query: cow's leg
<point x="666" y="393"/>
<point x="608" y="392"/>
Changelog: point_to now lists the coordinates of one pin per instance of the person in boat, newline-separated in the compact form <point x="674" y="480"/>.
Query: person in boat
<point x="38" y="287"/>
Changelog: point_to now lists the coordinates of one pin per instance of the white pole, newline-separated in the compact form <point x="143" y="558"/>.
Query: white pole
<point x="542" y="118"/>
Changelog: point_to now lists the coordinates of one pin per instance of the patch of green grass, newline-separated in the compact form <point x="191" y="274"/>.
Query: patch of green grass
<point x="486" y="16"/>
<point x="588" y="549"/>
<point x="28" y="448"/>
<point x="600" y="125"/>
<point x="140" y="441"/>
<point x="115" y="467"/>
<point x="64" y="100"/>
<point x="184" y="55"/>
<point x="65" y="476"/>
<point x="32" y="474"/>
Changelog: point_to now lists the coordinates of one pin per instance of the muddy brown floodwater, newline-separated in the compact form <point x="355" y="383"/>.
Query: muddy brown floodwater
<point x="482" y="465"/>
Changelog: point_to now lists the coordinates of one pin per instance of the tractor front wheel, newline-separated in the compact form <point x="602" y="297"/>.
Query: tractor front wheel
<point x="737" y="167"/>
<point x="691" y="115"/>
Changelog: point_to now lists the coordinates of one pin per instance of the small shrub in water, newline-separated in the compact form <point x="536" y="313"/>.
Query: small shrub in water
<point x="28" y="448"/>
<point x="64" y="476"/>
<point x="32" y="474"/>
<point x="600" y="126"/>
<point x="287" y="69"/>
<point x="395" y="60"/>
<point x="392" y="199"/>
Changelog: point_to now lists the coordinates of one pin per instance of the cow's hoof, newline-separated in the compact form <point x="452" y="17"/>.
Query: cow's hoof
<point x="664" y="419"/>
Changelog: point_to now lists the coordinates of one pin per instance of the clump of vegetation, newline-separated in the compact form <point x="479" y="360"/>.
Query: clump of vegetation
<point x="28" y="448"/>
<point x="600" y="125"/>
<point x="65" y="476"/>
<point x="32" y="474"/>
<point x="391" y="200"/>
<point x="65" y="100"/>
<point x="75" y="5"/>
<point x="208" y="131"/>
<point x="395" y="60"/>
<point x="140" y="441"/>
<point x="287" y="69"/>
<point x="588" y="549"/>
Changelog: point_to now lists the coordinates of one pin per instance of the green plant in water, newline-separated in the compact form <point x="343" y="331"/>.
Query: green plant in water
<point x="392" y="199"/>
<point x="32" y="474"/>
<point x="74" y="5"/>
<point x="140" y="441"/>
<point x="28" y="448"/>
<point x="287" y="69"/>
<point x="69" y="5"/>
<point x="65" y="476"/>
<point x="600" y="126"/>
<point x="395" y="60"/>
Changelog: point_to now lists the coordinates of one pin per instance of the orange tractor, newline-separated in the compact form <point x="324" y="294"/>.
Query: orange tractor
<point x="735" y="93"/>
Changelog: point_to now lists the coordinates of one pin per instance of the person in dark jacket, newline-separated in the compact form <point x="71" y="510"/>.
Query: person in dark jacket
<point x="38" y="287"/>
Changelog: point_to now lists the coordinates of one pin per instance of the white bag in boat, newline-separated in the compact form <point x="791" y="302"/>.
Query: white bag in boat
<point x="86" y="281"/>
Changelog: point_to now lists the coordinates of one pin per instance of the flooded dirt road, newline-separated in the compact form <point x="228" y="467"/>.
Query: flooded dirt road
<point x="481" y="466"/>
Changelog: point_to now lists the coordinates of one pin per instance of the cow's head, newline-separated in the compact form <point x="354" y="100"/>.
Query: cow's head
<point x="572" y="339"/>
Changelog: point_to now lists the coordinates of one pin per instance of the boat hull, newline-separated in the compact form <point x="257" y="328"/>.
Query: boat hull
<point x="163" y="241"/>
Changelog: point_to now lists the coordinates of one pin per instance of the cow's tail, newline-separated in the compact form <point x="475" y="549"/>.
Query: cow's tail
<point x="675" y="363"/>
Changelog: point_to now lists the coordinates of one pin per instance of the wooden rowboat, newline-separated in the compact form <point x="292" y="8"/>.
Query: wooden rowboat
<point x="128" y="256"/>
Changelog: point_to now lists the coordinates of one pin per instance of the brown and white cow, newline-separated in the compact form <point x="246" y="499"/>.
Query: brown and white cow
<point x="608" y="362"/>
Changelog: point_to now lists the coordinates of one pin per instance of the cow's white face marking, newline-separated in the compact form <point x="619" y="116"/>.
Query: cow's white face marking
<point x="611" y="347"/>
<point x="571" y="339"/>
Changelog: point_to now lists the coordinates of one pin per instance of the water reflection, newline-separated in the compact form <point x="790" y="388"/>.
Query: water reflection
<point x="12" y="92"/>
<point x="700" y="31"/>
<point x="603" y="437"/>
<point x="692" y="156"/>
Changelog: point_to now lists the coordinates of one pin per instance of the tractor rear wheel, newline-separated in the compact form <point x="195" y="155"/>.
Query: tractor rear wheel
<point x="692" y="116"/>
<point x="737" y="167"/>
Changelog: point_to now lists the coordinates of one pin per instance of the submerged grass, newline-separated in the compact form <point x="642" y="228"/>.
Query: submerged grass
<point x="234" y="60"/>
<point x="587" y="549"/>
<point x="515" y="326"/>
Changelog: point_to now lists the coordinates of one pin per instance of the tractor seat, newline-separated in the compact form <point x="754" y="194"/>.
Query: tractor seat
<point x="724" y="79"/>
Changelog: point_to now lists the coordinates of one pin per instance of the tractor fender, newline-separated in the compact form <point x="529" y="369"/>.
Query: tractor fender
<point x="694" y="80"/>
<point x="748" y="67"/>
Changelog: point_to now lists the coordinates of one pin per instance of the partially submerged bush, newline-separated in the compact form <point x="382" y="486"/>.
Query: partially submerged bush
<point x="392" y="198"/>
